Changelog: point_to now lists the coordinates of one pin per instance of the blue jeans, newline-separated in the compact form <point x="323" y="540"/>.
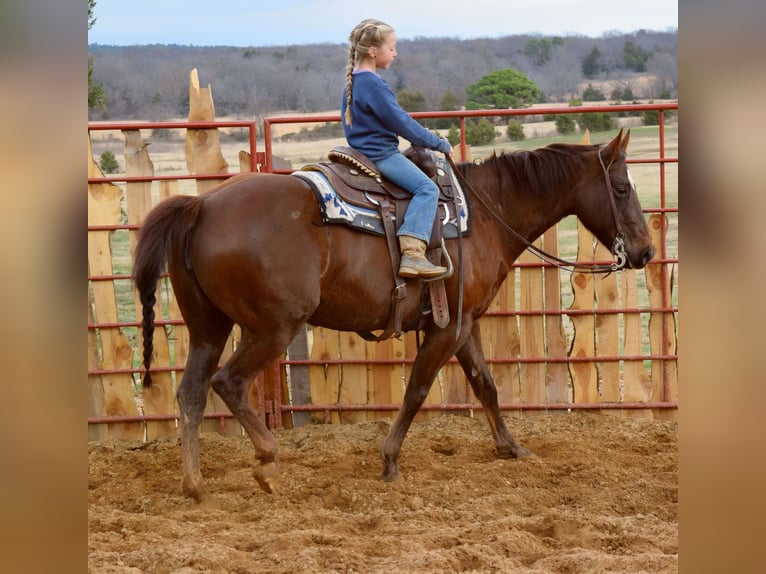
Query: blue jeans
<point x="419" y="219"/>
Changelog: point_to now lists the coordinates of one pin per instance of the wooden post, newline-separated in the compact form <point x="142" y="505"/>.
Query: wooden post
<point x="638" y="384"/>
<point x="203" y="155"/>
<point x="353" y="380"/>
<point x="325" y="379"/>
<point x="159" y="399"/>
<point x="96" y="400"/>
<point x="385" y="382"/>
<point x="118" y="390"/>
<point x="532" y="329"/>
<point x="584" y="375"/>
<point x="556" y="374"/>
<point x="660" y="287"/>
<point x="500" y="338"/>
<point x="203" y="147"/>
<point x="607" y="332"/>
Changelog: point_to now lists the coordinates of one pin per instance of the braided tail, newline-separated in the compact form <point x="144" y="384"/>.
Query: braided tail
<point x="165" y="234"/>
<point x="147" y="327"/>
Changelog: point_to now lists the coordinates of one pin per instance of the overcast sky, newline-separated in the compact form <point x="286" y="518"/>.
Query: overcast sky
<point x="285" y="22"/>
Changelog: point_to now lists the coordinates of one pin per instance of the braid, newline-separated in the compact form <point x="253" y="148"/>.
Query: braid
<point x="367" y="34"/>
<point x="350" y="81"/>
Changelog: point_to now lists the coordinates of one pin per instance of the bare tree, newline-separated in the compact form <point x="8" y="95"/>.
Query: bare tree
<point x="664" y="66"/>
<point x="560" y="77"/>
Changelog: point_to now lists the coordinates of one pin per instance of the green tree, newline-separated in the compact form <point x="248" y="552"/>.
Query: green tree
<point x="652" y="117"/>
<point x="448" y="103"/>
<point x="565" y="124"/>
<point x="480" y="132"/>
<point x="411" y="100"/>
<point x="515" y="131"/>
<point x="591" y="65"/>
<point x="96" y="97"/>
<point x="591" y="94"/>
<point x="108" y="163"/>
<point x="634" y="57"/>
<point x="540" y="50"/>
<point x="503" y="89"/>
<point x="453" y="135"/>
<point x="595" y="122"/>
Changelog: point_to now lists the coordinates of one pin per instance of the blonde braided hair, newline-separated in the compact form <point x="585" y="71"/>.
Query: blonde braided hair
<point x="367" y="34"/>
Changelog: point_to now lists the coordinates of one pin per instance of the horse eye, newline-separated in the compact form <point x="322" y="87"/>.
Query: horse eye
<point x="621" y="189"/>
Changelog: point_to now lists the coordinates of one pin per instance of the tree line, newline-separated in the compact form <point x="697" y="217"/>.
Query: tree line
<point x="151" y="82"/>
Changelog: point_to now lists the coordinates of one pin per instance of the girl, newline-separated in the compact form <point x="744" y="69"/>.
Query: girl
<point x="373" y="122"/>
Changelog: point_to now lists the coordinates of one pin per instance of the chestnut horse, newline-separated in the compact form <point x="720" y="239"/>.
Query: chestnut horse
<point x="254" y="251"/>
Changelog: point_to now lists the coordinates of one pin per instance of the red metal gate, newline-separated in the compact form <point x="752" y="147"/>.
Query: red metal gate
<point x="279" y="406"/>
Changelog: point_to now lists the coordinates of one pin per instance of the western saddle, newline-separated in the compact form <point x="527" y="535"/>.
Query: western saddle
<point x="357" y="181"/>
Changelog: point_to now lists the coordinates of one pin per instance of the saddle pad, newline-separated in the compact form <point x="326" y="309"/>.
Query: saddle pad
<point x="336" y="210"/>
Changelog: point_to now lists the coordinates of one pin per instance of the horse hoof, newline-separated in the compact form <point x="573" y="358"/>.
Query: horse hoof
<point x="522" y="452"/>
<point x="267" y="476"/>
<point x="390" y="474"/>
<point x="515" y="451"/>
<point x="193" y="489"/>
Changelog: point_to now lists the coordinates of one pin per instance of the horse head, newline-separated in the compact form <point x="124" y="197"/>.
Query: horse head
<point x="608" y="204"/>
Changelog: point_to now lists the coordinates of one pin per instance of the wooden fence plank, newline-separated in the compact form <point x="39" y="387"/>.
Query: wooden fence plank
<point x="500" y="338"/>
<point x="116" y="352"/>
<point x="203" y="155"/>
<point x="607" y="331"/>
<point x="584" y="375"/>
<point x="325" y="379"/>
<point x="557" y="382"/>
<point x="159" y="399"/>
<point x="385" y="381"/>
<point x="660" y="291"/>
<point x="96" y="402"/>
<point x="532" y="328"/>
<point x="353" y="382"/>
<point x="203" y="147"/>
<point x="448" y="385"/>
<point x="638" y="384"/>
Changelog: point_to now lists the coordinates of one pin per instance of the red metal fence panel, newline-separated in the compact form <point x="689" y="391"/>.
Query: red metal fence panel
<point x="643" y="357"/>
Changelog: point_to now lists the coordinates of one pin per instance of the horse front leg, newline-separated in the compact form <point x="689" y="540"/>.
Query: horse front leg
<point x="471" y="358"/>
<point x="436" y="349"/>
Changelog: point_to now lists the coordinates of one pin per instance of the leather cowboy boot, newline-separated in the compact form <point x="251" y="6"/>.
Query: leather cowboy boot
<point x="414" y="262"/>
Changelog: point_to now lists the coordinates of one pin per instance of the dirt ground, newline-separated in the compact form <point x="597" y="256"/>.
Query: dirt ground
<point x="601" y="496"/>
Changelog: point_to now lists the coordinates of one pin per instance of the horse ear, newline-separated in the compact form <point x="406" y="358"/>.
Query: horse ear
<point x="614" y="147"/>
<point x="585" y="139"/>
<point x="624" y="144"/>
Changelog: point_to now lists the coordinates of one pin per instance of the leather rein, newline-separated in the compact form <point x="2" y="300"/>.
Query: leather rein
<point x="618" y="247"/>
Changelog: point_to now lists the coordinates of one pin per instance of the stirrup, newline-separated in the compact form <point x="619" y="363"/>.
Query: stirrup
<point x="450" y="267"/>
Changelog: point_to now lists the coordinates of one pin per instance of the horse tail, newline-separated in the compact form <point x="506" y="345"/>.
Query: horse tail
<point x="165" y="233"/>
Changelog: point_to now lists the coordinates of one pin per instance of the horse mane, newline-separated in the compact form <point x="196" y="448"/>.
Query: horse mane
<point x="540" y="171"/>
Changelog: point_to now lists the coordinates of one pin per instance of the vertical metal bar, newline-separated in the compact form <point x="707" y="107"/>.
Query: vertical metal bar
<point x="663" y="254"/>
<point x="463" y="149"/>
<point x="253" y="129"/>
<point x="267" y="144"/>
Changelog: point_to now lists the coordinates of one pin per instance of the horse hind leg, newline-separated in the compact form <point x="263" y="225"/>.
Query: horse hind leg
<point x="192" y="399"/>
<point x="232" y="383"/>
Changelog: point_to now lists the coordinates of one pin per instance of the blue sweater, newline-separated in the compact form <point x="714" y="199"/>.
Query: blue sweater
<point x="378" y="120"/>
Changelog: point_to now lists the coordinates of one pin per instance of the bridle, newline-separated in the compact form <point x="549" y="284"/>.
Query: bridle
<point x="618" y="246"/>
